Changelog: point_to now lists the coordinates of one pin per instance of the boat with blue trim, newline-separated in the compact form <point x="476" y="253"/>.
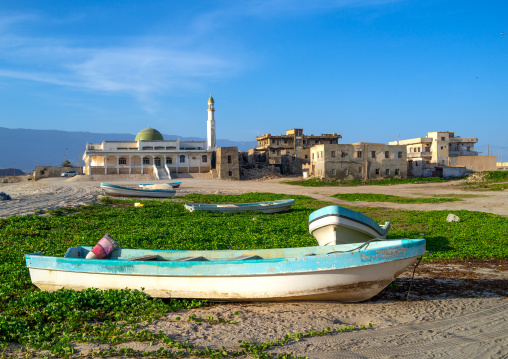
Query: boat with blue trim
<point x="114" y="190"/>
<point x="172" y="184"/>
<point x="338" y="225"/>
<point x="263" y="207"/>
<point x="348" y="273"/>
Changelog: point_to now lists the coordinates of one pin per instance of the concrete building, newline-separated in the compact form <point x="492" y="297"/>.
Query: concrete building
<point x="427" y="156"/>
<point x="360" y="160"/>
<point x="271" y="148"/>
<point x="149" y="153"/>
<point x="53" y="171"/>
<point x="227" y="165"/>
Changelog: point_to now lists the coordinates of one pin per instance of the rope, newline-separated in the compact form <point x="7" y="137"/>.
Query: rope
<point x="412" y="277"/>
<point x="357" y="248"/>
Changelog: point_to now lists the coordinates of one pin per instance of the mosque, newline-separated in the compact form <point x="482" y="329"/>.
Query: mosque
<point x="149" y="153"/>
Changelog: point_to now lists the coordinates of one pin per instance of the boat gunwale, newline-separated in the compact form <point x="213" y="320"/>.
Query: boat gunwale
<point x="265" y="204"/>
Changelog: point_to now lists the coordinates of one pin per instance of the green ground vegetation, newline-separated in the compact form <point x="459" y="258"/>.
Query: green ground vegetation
<point x="487" y="181"/>
<point x="375" y="197"/>
<point x="41" y="320"/>
<point x="318" y="182"/>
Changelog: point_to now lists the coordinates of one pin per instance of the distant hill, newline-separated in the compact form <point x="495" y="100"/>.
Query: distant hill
<point x="11" y="172"/>
<point x="25" y="149"/>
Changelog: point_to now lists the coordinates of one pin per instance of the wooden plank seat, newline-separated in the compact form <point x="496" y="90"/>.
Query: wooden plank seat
<point x="188" y="259"/>
<point x="244" y="258"/>
<point x="147" y="257"/>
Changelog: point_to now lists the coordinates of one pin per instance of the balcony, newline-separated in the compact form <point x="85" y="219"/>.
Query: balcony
<point x="463" y="153"/>
<point x="419" y="154"/>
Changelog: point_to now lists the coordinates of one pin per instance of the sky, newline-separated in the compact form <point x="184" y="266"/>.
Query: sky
<point x="371" y="70"/>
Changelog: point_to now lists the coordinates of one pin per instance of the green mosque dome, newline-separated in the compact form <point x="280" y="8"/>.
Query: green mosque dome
<point x="149" y="134"/>
<point x="210" y="100"/>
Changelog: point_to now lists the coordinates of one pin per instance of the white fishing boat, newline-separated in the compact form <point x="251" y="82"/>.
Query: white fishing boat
<point x="172" y="184"/>
<point x="263" y="207"/>
<point x="114" y="190"/>
<point x="338" y="225"/>
<point x="348" y="273"/>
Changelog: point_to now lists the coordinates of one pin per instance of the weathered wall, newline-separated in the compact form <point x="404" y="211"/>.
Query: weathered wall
<point x="358" y="161"/>
<point x="474" y="163"/>
<point x="53" y="171"/>
<point x="293" y="160"/>
<point x="227" y="164"/>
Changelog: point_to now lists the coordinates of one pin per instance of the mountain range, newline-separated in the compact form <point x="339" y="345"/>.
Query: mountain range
<point x="25" y="148"/>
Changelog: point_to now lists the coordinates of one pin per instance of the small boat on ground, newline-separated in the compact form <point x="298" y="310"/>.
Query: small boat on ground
<point x="114" y="190"/>
<point x="338" y="225"/>
<point x="263" y="207"/>
<point x="349" y="272"/>
<point x="172" y="184"/>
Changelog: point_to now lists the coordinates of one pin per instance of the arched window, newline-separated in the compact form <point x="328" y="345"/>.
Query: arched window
<point x="204" y="159"/>
<point x="182" y="159"/>
<point x="122" y="161"/>
<point x="169" y="160"/>
<point x="157" y="161"/>
<point x="146" y="160"/>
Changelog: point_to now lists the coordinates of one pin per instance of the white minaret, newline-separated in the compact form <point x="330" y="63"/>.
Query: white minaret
<point x="210" y="125"/>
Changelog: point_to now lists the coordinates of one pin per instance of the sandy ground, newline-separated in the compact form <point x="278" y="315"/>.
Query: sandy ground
<point x="456" y="309"/>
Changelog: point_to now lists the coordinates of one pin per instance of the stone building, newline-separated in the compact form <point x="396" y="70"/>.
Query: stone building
<point x="149" y="153"/>
<point x="226" y="163"/>
<point x="360" y="160"/>
<point x="427" y="156"/>
<point x="271" y="148"/>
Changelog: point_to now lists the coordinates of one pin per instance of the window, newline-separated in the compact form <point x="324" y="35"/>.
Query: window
<point x="359" y="154"/>
<point x="322" y="154"/>
<point x="230" y="173"/>
<point x="169" y="160"/>
<point x="441" y="147"/>
<point x="306" y="156"/>
<point x="343" y="154"/>
<point x="146" y="161"/>
<point x="416" y="164"/>
<point x="204" y="159"/>
<point x="399" y="154"/>
<point x="333" y="171"/>
<point x="396" y="172"/>
<point x="387" y="171"/>
<point x="387" y="154"/>
<point x="419" y="149"/>
<point x="377" y="171"/>
<point x="182" y="159"/>
<point x="346" y="172"/>
<point x="359" y="169"/>
<point x="373" y="154"/>
<point x="333" y="153"/>
<point x="331" y="142"/>
<point x="230" y="159"/>
<point x="122" y="161"/>
<point x="312" y="155"/>
<point x="285" y="141"/>
<point x="442" y="138"/>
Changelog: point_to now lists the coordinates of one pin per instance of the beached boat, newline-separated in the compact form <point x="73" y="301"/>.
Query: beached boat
<point x="338" y="225"/>
<point x="263" y="207"/>
<point x="172" y="184"/>
<point x="348" y="273"/>
<point x="114" y="190"/>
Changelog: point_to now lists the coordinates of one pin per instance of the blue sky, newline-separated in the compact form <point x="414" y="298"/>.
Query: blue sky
<point x="372" y="70"/>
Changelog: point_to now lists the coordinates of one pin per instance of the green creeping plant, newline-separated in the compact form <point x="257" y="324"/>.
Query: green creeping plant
<point x="52" y="321"/>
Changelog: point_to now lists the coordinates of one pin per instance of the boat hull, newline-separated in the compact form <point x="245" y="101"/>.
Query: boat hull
<point x="345" y="285"/>
<point x="118" y="191"/>
<point x="338" y="225"/>
<point x="348" y="277"/>
<point x="262" y="207"/>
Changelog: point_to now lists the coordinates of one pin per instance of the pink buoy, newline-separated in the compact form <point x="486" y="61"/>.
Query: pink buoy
<point x="104" y="247"/>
